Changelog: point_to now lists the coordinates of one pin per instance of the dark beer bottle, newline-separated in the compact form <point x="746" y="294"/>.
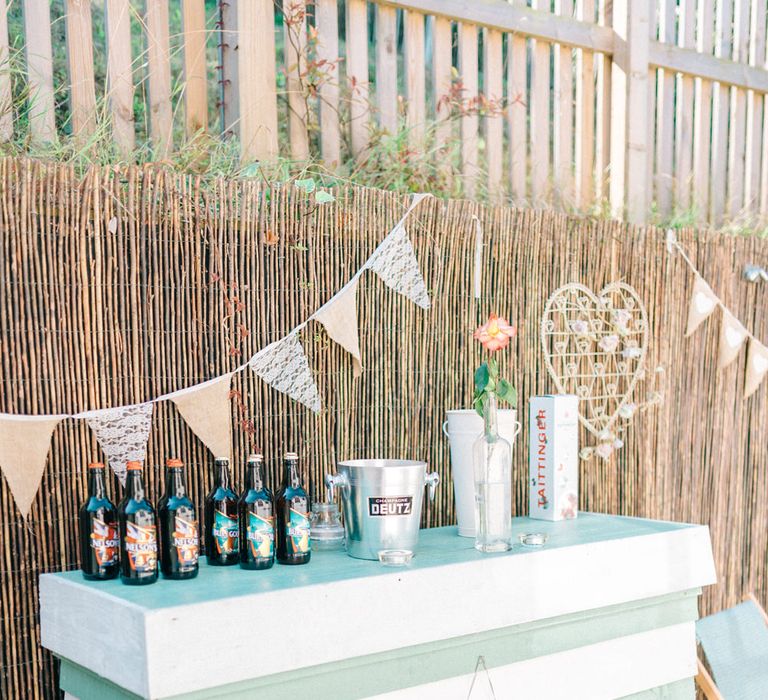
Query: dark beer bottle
<point x="99" y="543"/>
<point x="179" y="538"/>
<point x="138" y="532"/>
<point x="292" y="516"/>
<point x="257" y="522"/>
<point x="221" y="528"/>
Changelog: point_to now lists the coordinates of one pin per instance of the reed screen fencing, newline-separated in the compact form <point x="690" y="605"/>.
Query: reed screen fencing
<point x="196" y="276"/>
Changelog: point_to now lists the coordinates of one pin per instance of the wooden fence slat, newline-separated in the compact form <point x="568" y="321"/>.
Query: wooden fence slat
<point x="6" y="106"/>
<point x="629" y="131"/>
<point x="517" y="108"/>
<point x="229" y="82"/>
<point x="415" y="77"/>
<point x="494" y="124"/>
<point x="442" y="79"/>
<point x="327" y="21"/>
<point x="562" y="156"/>
<point x="764" y="165"/>
<point x="684" y="106"/>
<point x="720" y="107"/>
<point x="82" y="83"/>
<point x="120" y="73"/>
<point x="295" y="24"/>
<point x="257" y="100"/>
<point x="585" y="115"/>
<point x="195" y="80"/>
<point x="653" y="75"/>
<point x="468" y="69"/>
<point x="665" y="116"/>
<point x="386" y="67"/>
<point x="540" y="120"/>
<point x="603" y="109"/>
<point x="738" y="112"/>
<point x="39" y="53"/>
<point x="159" y="76"/>
<point x="755" y="104"/>
<point x="702" y="110"/>
<point x="357" y="73"/>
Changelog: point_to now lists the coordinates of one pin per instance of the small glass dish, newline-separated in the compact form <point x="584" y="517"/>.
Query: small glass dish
<point x="395" y="557"/>
<point x="533" y="539"/>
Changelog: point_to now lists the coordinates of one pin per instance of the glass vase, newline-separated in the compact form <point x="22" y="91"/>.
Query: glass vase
<point x="492" y="456"/>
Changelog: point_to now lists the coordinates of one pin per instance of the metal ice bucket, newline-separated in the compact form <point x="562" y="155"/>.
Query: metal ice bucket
<point x="381" y="500"/>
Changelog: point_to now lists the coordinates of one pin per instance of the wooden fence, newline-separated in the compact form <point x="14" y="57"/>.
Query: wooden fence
<point x="654" y="105"/>
<point x="95" y="315"/>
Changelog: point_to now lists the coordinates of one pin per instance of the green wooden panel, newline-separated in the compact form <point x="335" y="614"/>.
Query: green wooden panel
<point x="378" y="673"/>
<point x="437" y="547"/>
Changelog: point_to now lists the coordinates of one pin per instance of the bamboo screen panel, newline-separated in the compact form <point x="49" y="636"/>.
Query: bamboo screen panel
<point x="193" y="275"/>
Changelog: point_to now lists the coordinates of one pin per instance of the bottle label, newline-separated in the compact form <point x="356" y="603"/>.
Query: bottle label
<point x="104" y="541"/>
<point x="297" y="532"/>
<point x="390" y="505"/>
<point x="261" y="536"/>
<point x="141" y="547"/>
<point x="186" y="541"/>
<point x="225" y="533"/>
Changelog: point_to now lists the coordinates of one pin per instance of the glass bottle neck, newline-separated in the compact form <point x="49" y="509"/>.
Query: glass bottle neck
<point x="135" y="486"/>
<point x="175" y="483"/>
<point x="222" y="475"/>
<point x="96" y="486"/>
<point x="253" y="478"/>
<point x="490" y="417"/>
<point x="291" y="477"/>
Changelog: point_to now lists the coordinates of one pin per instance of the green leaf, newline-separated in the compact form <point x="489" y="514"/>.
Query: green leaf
<point x="481" y="377"/>
<point x="477" y="404"/>
<point x="324" y="197"/>
<point x="506" y="391"/>
<point x="308" y="185"/>
<point x="251" y="170"/>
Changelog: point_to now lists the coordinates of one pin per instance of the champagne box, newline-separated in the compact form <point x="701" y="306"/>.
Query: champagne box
<point x="554" y="457"/>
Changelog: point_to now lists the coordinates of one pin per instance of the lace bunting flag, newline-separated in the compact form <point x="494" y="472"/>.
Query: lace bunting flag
<point x="283" y="365"/>
<point x="395" y="262"/>
<point x="122" y="433"/>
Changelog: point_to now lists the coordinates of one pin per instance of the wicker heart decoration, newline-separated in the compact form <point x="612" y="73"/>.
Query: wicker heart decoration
<point x="595" y="347"/>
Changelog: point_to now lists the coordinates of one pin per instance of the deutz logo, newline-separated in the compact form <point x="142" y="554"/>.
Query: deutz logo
<point x="390" y="505"/>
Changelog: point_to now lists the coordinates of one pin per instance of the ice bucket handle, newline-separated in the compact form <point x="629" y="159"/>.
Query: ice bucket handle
<point x="432" y="480"/>
<point x="332" y="481"/>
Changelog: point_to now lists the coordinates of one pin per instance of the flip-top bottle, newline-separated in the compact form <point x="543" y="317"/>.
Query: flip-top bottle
<point x="222" y="533"/>
<point x="179" y="534"/>
<point x="292" y="516"/>
<point x="99" y="543"/>
<point x="138" y="532"/>
<point x="257" y="521"/>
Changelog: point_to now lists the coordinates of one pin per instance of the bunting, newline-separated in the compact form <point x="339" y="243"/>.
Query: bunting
<point x="283" y="365"/>
<point x="24" y="445"/>
<point x="206" y="410"/>
<point x="122" y="433"/>
<point x="733" y="334"/>
<point x="339" y="317"/>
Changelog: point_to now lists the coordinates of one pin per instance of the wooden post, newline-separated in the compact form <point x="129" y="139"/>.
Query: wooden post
<point x="80" y="60"/>
<point x="702" y="126"/>
<point x="629" y="100"/>
<point x="195" y="85"/>
<point x="386" y="67"/>
<point x="540" y="118"/>
<point x="469" y="121"/>
<point x="159" y="70"/>
<point x="295" y="21"/>
<point x="6" y="106"/>
<point x="37" y="33"/>
<point x="442" y="80"/>
<point x="562" y="152"/>
<point x="120" y="73"/>
<point x="415" y="77"/>
<point x="229" y="93"/>
<point x="494" y="124"/>
<point x="328" y="51"/>
<point x="585" y="114"/>
<point x="257" y="88"/>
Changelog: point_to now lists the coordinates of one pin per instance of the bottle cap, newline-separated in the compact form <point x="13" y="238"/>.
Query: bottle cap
<point x="291" y="455"/>
<point x="256" y="457"/>
<point x="133" y="466"/>
<point x="96" y="465"/>
<point x="219" y="460"/>
<point x="173" y="463"/>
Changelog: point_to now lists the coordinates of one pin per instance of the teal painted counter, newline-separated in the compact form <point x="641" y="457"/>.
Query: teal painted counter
<point x="603" y="589"/>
